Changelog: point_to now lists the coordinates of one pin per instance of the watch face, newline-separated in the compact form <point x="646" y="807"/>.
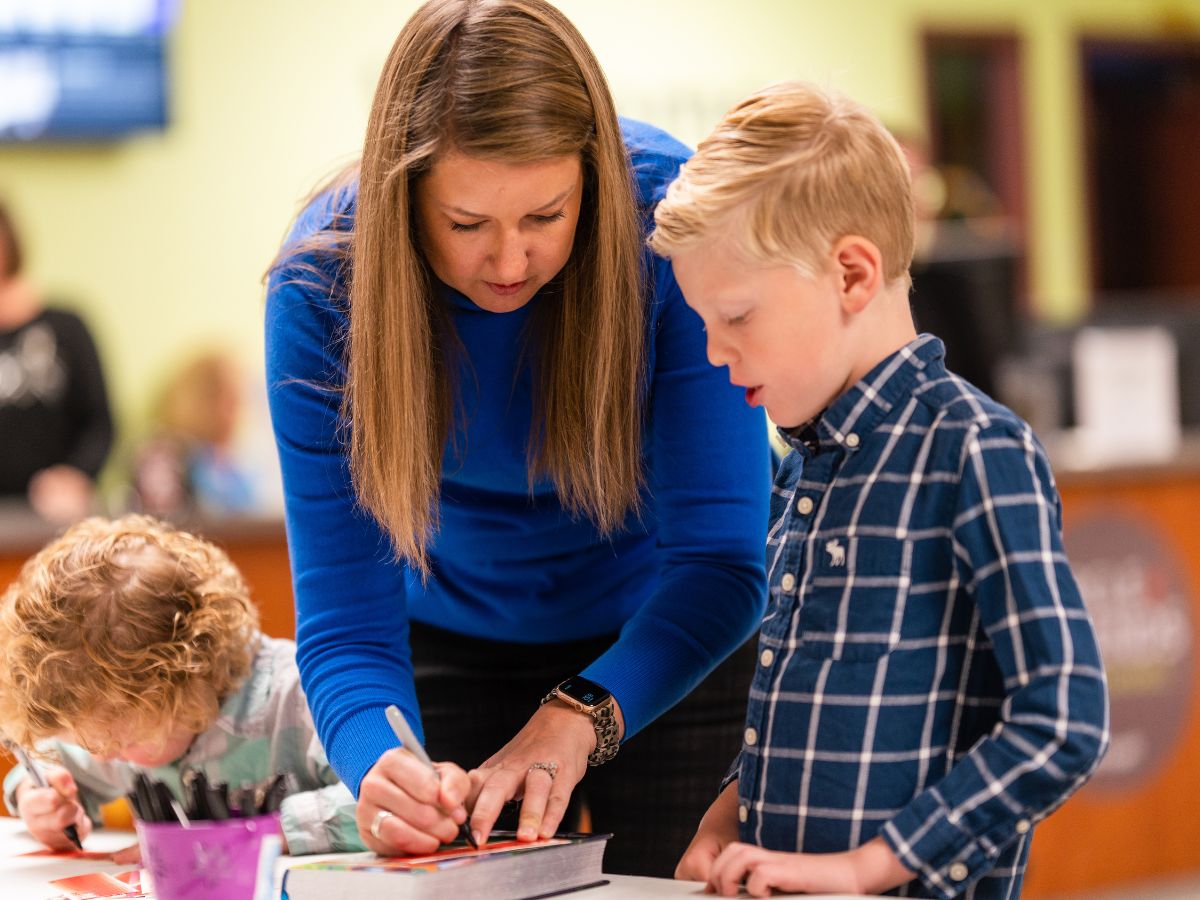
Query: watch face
<point x="584" y="691"/>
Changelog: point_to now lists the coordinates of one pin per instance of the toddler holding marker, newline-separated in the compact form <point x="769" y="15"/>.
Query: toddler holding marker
<point x="130" y="645"/>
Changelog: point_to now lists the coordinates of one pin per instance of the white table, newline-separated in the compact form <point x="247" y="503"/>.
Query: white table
<point x="28" y="878"/>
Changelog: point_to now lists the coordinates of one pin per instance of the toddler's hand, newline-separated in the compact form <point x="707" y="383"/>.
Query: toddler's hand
<point x="48" y="811"/>
<point x="128" y="856"/>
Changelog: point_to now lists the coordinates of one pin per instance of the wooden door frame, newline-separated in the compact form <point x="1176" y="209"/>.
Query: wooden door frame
<point x="1006" y="115"/>
<point x="1137" y="47"/>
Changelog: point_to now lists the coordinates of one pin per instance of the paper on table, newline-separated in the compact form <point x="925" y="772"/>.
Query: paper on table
<point x="96" y="885"/>
<point x="95" y="855"/>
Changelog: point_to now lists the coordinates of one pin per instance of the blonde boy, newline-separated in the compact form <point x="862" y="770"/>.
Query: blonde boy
<point x="140" y="643"/>
<point x="929" y="684"/>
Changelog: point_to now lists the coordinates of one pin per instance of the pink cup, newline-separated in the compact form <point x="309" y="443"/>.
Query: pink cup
<point x="228" y="860"/>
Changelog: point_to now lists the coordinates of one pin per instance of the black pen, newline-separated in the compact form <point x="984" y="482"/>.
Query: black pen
<point x="36" y="776"/>
<point x="409" y="740"/>
<point x="148" y="799"/>
<point x="275" y="793"/>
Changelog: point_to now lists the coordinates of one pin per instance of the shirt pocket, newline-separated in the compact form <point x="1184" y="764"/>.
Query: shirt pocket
<point x="854" y="601"/>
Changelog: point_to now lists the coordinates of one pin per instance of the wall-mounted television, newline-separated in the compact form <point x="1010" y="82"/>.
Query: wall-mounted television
<point x="83" y="70"/>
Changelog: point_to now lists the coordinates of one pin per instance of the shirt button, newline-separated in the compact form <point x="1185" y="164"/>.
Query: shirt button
<point x="852" y="440"/>
<point x="804" y="506"/>
<point x="788" y="581"/>
<point x="1023" y="826"/>
<point x="768" y="657"/>
<point x="743" y="812"/>
<point x="959" y="871"/>
<point x="751" y="737"/>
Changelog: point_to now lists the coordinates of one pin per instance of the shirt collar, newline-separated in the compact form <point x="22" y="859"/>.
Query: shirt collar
<point x="857" y="411"/>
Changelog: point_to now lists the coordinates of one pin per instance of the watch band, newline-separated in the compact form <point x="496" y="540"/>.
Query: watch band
<point x="604" y="721"/>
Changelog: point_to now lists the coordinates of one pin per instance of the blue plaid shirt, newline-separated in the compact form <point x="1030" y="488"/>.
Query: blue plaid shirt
<point x="927" y="670"/>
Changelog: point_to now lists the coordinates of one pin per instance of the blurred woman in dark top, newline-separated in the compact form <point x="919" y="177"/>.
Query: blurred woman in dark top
<point x="55" y="424"/>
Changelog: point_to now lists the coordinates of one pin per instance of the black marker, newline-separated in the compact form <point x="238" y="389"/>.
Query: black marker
<point x="39" y="780"/>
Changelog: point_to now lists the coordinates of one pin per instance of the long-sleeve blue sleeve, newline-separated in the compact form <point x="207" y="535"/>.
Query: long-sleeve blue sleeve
<point x="712" y="583"/>
<point x="351" y="617"/>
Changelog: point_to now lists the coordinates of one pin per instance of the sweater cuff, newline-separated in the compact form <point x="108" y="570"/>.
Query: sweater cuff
<point x="946" y="857"/>
<point x="359" y="742"/>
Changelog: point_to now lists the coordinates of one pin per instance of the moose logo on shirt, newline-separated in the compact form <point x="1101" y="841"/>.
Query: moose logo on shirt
<point x="837" y="553"/>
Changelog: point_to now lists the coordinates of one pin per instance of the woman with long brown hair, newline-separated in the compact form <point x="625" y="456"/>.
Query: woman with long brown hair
<point x="515" y="488"/>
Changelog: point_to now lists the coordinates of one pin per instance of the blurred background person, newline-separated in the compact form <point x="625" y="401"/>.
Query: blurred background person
<point x="192" y="462"/>
<point x="55" y="426"/>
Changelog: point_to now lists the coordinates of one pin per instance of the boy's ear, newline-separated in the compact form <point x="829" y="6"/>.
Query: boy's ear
<point x="858" y="266"/>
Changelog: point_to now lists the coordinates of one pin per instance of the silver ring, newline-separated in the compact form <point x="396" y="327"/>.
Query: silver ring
<point x="549" y="767"/>
<point x="377" y="821"/>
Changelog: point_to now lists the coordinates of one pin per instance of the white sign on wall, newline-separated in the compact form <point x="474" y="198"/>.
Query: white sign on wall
<point x="1126" y="395"/>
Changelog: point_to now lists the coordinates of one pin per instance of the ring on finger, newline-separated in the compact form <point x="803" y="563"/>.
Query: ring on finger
<point x="551" y="768"/>
<point x="377" y="821"/>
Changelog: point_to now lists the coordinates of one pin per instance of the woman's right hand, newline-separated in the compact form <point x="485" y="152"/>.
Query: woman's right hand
<point x="47" y="811"/>
<point x="425" y="812"/>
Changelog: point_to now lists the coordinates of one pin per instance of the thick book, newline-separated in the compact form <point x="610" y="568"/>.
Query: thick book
<point x="503" y="870"/>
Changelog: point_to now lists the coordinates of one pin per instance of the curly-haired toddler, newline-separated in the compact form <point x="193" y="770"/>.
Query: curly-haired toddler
<point x="130" y="644"/>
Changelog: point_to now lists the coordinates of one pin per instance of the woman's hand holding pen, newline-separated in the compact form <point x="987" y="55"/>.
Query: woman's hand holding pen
<point x="540" y="767"/>
<point x="48" y="810"/>
<point x="425" y="812"/>
<point x="405" y="807"/>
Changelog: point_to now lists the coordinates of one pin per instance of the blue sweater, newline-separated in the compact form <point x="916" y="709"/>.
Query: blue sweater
<point x="683" y="586"/>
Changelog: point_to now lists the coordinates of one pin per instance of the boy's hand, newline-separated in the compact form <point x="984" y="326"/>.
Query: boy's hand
<point x="869" y="869"/>
<point x="718" y="829"/>
<point x="47" y="811"/>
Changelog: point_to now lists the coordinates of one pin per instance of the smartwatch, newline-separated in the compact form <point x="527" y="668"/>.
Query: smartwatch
<point x="587" y="697"/>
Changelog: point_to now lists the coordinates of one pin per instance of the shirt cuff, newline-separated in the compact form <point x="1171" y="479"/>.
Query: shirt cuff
<point x="12" y="781"/>
<point x="946" y="856"/>
<point x="731" y="774"/>
<point x="303" y="822"/>
<point x="360" y="740"/>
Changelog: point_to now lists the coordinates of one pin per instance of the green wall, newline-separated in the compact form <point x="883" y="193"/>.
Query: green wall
<point x="162" y="240"/>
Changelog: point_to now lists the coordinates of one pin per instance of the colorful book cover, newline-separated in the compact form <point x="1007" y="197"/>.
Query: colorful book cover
<point x="504" y="870"/>
<point x="442" y="859"/>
